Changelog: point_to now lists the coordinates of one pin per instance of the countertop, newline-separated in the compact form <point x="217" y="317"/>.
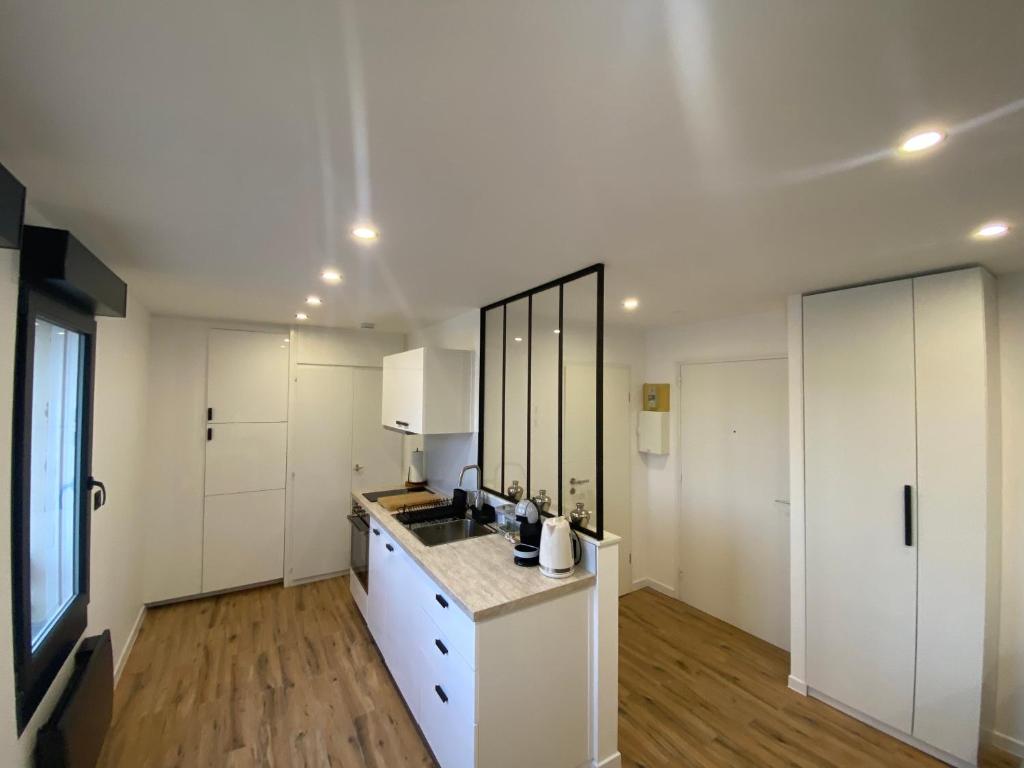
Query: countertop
<point x="478" y="573"/>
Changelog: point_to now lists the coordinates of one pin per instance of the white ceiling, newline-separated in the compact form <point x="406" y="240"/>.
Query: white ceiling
<point x="715" y="154"/>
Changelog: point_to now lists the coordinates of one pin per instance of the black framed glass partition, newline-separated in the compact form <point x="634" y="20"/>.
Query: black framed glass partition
<point x="542" y="396"/>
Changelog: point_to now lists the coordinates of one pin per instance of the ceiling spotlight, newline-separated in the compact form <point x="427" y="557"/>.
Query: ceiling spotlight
<point x="557" y="330"/>
<point x="331" y="276"/>
<point x="518" y="338"/>
<point x="630" y="304"/>
<point x="919" y="142"/>
<point x="313" y="301"/>
<point x="365" y="233"/>
<point x="286" y="340"/>
<point x="991" y="230"/>
<point x="301" y="316"/>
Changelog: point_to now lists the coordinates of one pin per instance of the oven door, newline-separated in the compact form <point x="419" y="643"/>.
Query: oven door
<point x="361" y="549"/>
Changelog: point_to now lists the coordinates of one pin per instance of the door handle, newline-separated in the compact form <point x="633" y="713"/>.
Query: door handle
<point x="100" y="497"/>
<point x="441" y="694"/>
<point x="908" y="516"/>
<point x="402" y="423"/>
<point x="389" y="548"/>
<point x="441" y="647"/>
<point x="358" y="467"/>
<point x="209" y="434"/>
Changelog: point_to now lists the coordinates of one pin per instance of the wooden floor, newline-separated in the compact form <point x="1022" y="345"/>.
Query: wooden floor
<point x="276" y="677"/>
<point x="695" y="691"/>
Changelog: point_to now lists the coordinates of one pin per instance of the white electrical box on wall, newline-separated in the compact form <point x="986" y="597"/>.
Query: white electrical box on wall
<point x="652" y="432"/>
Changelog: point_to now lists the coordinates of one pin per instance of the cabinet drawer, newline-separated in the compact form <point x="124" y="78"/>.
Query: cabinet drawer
<point x="445" y="666"/>
<point x="444" y="720"/>
<point x="449" y="618"/>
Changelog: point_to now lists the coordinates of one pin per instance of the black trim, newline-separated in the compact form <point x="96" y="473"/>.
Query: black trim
<point x="560" y="283"/>
<point x="35" y="670"/>
<point x="12" y="209"/>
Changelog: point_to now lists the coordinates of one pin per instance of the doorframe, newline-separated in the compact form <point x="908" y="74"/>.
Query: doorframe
<point x="677" y="402"/>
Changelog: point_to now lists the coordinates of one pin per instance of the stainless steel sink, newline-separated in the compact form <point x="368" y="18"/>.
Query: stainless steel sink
<point x="441" y="526"/>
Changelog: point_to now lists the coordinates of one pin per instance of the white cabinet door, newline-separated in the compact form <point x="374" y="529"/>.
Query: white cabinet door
<point x="243" y="539"/>
<point x="377" y="589"/>
<point x="402" y="402"/>
<point x="376" y="453"/>
<point x="320" y="440"/>
<point x="247" y="376"/>
<point x="859" y="408"/>
<point x="245" y="457"/>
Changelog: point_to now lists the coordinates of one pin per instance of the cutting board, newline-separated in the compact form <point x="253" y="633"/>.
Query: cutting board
<point x="394" y="503"/>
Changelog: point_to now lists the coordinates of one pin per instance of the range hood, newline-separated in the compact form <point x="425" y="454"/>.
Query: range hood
<point x="12" y="209"/>
<point x="54" y="260"/>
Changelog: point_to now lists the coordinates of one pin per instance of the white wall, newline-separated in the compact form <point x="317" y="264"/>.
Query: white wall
<point x="1009" y="719"/>
<point x="116" y="556"/>
<point x="655" y="558"/>
<point x="176" y="455"/>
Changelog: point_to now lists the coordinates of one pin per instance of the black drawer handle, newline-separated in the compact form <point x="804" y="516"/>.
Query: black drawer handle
<point x="441" y="601"/>
<point x="209" y="434"/>
<point x="908" y="516"/>
<point x="441" y="694"/>
<point x="441" y="648"/>
<point x="389" y="548"/>
<point x="376" y="531"/>
<point x="209" y="414"/>
<point x="402" y="423"/>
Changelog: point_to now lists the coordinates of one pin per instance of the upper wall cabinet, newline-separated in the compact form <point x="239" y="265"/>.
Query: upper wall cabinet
<point x="247" y="377"/>
<point x="427" y="391"/>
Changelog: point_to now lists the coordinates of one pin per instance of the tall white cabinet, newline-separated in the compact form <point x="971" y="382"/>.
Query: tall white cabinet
<point x="246" y="449"/>
<point x="901" y="499"/>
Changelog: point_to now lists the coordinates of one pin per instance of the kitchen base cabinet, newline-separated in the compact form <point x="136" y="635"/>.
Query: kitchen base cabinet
<point x="474" y="687"/>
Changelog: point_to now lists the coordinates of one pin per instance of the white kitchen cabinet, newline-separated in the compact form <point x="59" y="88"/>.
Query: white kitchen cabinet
<point x="428" y="391"/>
<point x="245" y="457"/>
<point x="652" y="430"/>
<point x="242" y="539"/>
<point x="901" y="489"/>
<point x="247" y="376"/>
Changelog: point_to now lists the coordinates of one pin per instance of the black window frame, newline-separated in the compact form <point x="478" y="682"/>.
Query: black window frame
<point x="36" y="671"/>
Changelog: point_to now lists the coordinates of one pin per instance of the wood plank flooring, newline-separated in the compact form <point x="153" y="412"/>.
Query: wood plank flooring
<point x="290" y="678"/>
<point x="695" y="691"/>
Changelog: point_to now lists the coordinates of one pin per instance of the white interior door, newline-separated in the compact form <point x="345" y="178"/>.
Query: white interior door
<point x="376" y="452"/>
<point x="247" y="376"/>
<point x="319" y="535"/>
<point x="578" y="454"/>
<point x="245" y="457"/>
<point x="734" y="526"/>
<point x="860" y="452"/>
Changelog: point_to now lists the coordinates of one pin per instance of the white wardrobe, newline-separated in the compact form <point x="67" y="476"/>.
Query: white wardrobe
<point x="901" y="494"/>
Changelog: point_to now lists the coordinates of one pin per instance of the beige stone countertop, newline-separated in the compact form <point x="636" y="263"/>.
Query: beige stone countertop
<point x="479" y="573"/>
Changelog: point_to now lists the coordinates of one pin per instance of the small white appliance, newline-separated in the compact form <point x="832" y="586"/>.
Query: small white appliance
<point x="556" y="548"/>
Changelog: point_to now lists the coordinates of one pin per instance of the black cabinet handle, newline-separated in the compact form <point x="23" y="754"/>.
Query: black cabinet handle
<point x="441" y="648"/>
<point x="908" y="516"/>
<point x="376" y="531"/>
<point x="441" y="694"/>
<point x="209" y="434"/>
<point x="441" y="601"/>
<point x="402" y="423"/>
<point x="209" y="414"/>
<point x="389" y="548"/>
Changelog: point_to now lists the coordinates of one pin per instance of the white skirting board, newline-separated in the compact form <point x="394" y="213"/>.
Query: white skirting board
<point x="612" y="761"/>
<point x="798" y="685"/>
<point x="1004" y="742"/>
<point x="656" y="585"/>
<point x="129" y="644"/>
<point x="878" y="726"/>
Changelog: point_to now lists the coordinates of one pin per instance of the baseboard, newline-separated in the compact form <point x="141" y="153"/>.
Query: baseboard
<point x="129" y="644"/>
<point x="1004" y="742"/>
<point x="313" y="579"/>
<point x="613" y="760"/>
<point x="656" y="585"/>
<point x="798" y="685"/>
<point x="906" y="738"/>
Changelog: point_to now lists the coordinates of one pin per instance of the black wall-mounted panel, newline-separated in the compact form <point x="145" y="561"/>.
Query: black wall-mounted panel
<point x="12" y="209"/>
<point x="54" y="260"/>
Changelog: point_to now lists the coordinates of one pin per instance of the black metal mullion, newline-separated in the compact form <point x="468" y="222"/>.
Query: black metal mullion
<point x="529" y="388"/>
<point x="559" y="378"/>
<point x="504" y="377"/>
<point x="599" y="374"/>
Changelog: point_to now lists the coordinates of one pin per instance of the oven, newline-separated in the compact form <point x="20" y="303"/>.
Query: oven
<point x="360" y="563"/>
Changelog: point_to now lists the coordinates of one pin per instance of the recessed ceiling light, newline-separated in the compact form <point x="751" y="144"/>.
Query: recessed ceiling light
<point x="365" y="232"/>
<point x="313" y="301"/>
<point x="332" y="276"/>
<point x="301" y="316"/>
<point x="286" y="340"/>
<point x="557" y="330"/>
<point x="630" y="304"/>
<point x="518" y="338"/>
<point x="921" y="141"/>
<point x="991" y="230"/>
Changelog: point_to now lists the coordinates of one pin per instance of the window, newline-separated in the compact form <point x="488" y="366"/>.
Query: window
<point x="50" y="489"/>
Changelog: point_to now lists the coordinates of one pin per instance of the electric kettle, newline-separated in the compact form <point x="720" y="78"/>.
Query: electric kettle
<point x="558" y="548"/>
